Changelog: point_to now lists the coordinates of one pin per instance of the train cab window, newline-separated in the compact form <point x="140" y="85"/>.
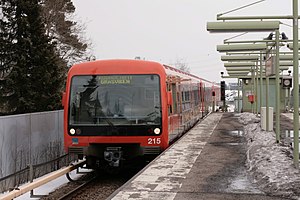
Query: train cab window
<point x="106" y="100"/>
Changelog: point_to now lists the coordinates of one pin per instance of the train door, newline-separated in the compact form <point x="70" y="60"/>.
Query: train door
<point x="173" y="109"/>
<point x="173" y="118"/>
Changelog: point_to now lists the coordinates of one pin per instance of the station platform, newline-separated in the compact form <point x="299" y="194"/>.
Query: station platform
<point x="208" y="162"/>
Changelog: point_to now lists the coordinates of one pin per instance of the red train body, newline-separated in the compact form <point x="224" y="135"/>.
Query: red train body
<point x="117" y="110"/>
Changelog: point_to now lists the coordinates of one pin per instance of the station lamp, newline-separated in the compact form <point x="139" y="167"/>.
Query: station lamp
<point x="222" y="74"/>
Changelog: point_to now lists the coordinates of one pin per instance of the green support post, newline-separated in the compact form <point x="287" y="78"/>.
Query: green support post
<point x="267" y="103"/>
<point x="252" y="87"/>
<point x="277" y="114"/>
<point x="261" y="78"/>
<point x="256" y="87"/>
<point x="296" y="83"/>
<point x="238" y="103"/>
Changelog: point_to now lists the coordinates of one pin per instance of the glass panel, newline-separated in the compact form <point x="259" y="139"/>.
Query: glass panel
<point x="110" y="100"/>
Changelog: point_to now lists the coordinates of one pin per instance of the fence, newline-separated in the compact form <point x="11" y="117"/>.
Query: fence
<point x="26" y="141"/>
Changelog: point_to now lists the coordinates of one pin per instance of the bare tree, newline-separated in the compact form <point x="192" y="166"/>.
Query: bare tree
<point x="182" y="65"/>
<point x="64" y="31"/>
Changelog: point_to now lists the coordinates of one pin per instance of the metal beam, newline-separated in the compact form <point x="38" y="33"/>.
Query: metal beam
<point x="270" y="42"/>
<point x="254" y="17"/>
<point x="239" y="64"/>
<point x="291" y="46"/>
<point x="241" y="47"/>
<point x="238" y="68"/>
<point x="237" y="76"/>
<point x="238" y="72"/>
<point x="282" y="68"/>
<point x="240" y="58"/>
<point x="248" y="26"/>
<point x="287" y="57"/>
<point x="285" y="63"/>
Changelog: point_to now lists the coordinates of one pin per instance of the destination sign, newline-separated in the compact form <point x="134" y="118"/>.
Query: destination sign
<point x="104" y="80"/>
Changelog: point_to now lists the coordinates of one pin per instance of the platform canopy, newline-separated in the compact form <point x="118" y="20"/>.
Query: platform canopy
<point x="241" y="47"/>
<point x="240" y="64"/>
<point x="242" y="26"/>
<point x="238" y="68"/>
<point x="287" y="57"/>
<point x="240" y="58"/>
<point x="291" y="47"/>
<point x="237" y="73"/>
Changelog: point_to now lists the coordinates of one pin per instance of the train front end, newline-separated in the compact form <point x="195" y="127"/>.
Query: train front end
<point x="114" y="111"/>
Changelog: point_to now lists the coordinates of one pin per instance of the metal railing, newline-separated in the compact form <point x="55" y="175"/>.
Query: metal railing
<point x="29" y="173"/>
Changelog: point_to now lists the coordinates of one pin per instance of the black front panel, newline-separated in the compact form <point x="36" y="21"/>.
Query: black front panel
<point x="107" y="105"/>
<point x="138" y="130"/>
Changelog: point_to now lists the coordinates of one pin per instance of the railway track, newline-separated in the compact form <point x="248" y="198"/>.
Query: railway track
<point x="90" y="186"/>
<point x="96" y="185"/>
<point x="72" y="192"/>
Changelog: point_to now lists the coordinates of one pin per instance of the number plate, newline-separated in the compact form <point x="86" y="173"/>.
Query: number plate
<point x="154" y="141"/>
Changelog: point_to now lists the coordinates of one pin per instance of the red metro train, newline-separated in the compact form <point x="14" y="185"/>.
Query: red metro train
<point x="118" y="110"/>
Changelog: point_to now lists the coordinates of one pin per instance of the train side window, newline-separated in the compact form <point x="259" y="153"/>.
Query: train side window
<point x="174" y="92"/>
<point x="170" y="108"/>
<point x="197" y="94"/>
<point x="186" y="100"/>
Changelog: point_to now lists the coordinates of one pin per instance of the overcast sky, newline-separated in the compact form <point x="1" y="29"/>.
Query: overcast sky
<point x="169" y="30"/>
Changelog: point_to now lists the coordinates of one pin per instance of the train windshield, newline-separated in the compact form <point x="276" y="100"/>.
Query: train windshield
<point x="112" y="100"/>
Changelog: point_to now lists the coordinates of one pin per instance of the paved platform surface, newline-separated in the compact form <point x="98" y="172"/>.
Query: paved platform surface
<point x="206" y="163"/>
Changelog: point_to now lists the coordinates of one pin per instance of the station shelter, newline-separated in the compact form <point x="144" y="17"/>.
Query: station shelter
<point x="251" y="94"/>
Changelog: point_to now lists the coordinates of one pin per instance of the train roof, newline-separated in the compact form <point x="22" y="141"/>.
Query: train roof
<point x="113" y="67"/>
<point x="139" y="65"/>
<point x="180" y="72"/>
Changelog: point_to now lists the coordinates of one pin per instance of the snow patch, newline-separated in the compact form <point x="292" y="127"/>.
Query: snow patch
<point x="270" y="164"/>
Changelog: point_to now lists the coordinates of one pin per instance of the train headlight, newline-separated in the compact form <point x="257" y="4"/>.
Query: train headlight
<point x="157" y="131"/>
<point x="72" y="131"/>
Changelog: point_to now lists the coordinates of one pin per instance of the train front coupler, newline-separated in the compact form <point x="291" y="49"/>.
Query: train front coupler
<point x="113" y="156"/>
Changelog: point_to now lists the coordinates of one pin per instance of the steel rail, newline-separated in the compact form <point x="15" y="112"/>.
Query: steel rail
<point x="66" y="196"/>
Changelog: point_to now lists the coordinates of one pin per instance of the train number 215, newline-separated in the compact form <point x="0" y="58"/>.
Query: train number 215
<point x="154" y="141"/>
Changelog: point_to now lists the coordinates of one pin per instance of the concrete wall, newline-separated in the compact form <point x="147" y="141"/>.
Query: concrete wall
<point x="29" y="139"/>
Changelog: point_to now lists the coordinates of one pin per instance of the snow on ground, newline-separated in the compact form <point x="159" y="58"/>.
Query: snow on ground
<point x="270" y="164"/>
<point x="231" y="94"/>
<point x="230" y="108"/>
